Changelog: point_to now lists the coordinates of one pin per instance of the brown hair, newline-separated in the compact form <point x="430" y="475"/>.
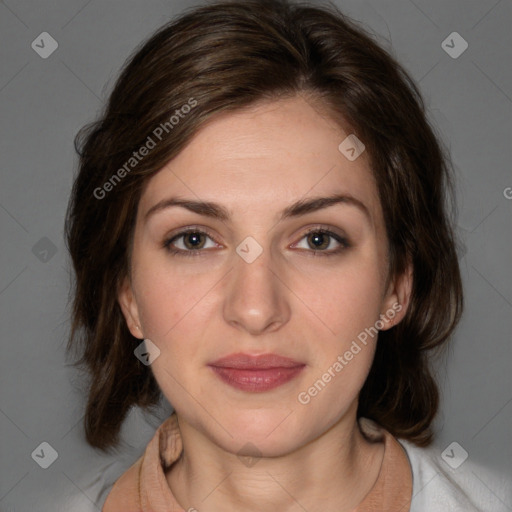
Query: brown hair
<point x="224" y="57"/>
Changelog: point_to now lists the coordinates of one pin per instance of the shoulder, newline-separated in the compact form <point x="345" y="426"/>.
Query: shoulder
<point x="125" y="492"/>
<point x="468" y="487"/>
<point x="144" y="482"/>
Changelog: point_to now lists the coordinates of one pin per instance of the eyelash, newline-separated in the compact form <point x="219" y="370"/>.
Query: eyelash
<point x="344" y="244"/>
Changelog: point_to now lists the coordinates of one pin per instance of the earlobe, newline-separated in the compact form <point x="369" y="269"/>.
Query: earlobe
<point x="128" y="304"/>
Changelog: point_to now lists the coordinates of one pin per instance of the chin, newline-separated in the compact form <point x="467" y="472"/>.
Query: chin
<point x="261" y="432"/>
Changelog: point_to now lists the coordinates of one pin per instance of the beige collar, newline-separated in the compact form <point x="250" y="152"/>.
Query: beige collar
<point x="144" y="487"/>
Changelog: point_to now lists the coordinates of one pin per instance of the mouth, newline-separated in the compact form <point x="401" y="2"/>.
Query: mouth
<point x="256" y="373"/>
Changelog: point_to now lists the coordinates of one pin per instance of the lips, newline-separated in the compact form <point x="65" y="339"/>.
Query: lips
<point x="248" y="362"/>
<point x="256" y="373"/>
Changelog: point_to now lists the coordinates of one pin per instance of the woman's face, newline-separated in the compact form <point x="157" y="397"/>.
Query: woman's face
<point x="271" y="264"/>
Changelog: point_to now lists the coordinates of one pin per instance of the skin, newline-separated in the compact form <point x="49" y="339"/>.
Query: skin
<point x="292" y="300"/>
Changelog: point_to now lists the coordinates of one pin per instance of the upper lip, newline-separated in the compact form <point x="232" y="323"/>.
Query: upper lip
<point x="256" y="362"/>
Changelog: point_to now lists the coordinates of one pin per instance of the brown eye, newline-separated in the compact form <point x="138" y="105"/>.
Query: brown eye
<point x="322" y="242"/>
<point x="190" y="242"/>
<point x="194" y="240"/>
<point x="318" y="240"/>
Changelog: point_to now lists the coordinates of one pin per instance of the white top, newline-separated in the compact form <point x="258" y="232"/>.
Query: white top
<point x="437" y="487"/>
<point x="440" y="484"/>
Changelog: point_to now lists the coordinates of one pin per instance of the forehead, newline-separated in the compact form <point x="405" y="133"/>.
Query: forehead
<point x="264" y="157"/>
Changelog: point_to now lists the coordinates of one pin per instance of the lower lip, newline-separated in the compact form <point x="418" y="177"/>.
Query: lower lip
<point x="257" y="380"/>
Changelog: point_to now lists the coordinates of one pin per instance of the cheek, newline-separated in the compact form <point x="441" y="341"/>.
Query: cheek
<point x="168" y="299"/>
<point x="175" y="311"/>
<point x="345" y="299"/>
<point x="348" y="306"/>
<point x="347" y="303"/>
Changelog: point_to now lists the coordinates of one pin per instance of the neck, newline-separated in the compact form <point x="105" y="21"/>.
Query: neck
<point x="333" y="472"/>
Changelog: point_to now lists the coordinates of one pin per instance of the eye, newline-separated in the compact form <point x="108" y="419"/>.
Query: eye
<point x="321" y="240"/>
<point x="190" y="242"/>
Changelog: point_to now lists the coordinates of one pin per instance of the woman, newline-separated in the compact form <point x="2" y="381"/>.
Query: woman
<point x="259" y="234"/>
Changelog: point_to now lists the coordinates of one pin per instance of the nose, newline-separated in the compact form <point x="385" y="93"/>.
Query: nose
<point x="256" y="298"/>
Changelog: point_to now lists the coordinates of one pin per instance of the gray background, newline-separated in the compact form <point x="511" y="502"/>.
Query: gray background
<point x="44" y="102"/>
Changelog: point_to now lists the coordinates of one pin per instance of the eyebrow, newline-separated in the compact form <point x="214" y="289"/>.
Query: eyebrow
<point x="297" y="209"/>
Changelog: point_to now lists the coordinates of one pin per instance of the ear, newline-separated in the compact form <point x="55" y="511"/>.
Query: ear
<point x="397" y="298"/>
<point x="128" y="304"/>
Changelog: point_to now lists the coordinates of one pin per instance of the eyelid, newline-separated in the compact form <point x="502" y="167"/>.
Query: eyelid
<point x="190" y="229"/>
<point x="325" y="228"/>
